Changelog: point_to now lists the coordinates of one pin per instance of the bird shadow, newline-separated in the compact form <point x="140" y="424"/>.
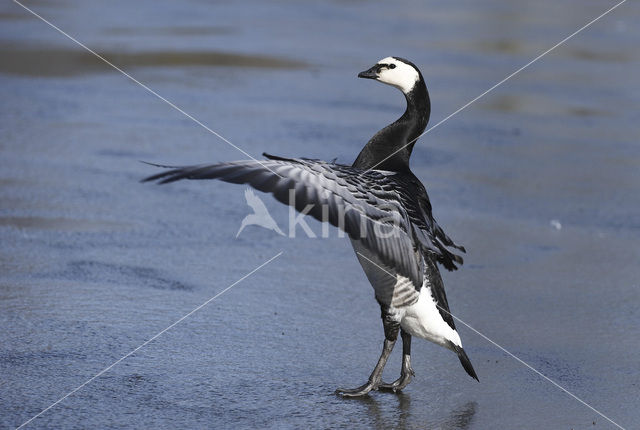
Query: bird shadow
<point x="458" y="419"/>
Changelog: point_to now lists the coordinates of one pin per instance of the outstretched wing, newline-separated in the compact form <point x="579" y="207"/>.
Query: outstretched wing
<point x="367" y="205"/>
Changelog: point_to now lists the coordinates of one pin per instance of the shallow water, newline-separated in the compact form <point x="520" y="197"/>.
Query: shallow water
<point x="540" y="181"/>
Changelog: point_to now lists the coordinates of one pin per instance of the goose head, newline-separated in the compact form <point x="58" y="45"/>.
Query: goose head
<point x="394" y="71"/>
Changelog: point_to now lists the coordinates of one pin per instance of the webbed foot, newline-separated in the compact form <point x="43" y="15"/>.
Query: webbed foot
<point x="357" y="392"/>
<point x="400" y="383"/>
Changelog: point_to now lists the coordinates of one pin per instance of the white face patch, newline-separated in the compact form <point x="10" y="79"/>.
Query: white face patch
<point x="402" y="76"/>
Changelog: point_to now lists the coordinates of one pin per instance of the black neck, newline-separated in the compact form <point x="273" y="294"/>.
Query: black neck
<point x="390" y="148"/>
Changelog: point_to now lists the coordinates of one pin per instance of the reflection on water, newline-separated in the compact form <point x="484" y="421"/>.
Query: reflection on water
<point x="461" y="418"/>
<point x="95" y="271"/>
<point x="506" y="46"/>
<point x="518" y="47"/>
<point x="55" y="61"/>
<point x="59" y="224"/>
<point x="538" y="105"/>
<point x="11" y="16"/>
<point x="169" y="31"/>
<point x="458" y="419"/>
<point x="506" y="103"/>
<point x="600" y="55"/>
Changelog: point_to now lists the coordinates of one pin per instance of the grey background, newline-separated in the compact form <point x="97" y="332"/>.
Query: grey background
<point x="93" y="263"/>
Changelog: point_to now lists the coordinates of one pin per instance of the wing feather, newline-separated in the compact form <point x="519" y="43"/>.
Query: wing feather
<point x="360" y="202"/>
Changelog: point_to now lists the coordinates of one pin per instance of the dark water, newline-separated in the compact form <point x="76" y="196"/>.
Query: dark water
<point x="93" y="264"/>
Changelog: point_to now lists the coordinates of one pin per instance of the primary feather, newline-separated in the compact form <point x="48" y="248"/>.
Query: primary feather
<point x="361" y="202"/>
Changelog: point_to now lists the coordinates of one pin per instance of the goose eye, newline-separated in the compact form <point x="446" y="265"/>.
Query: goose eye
<point x="392" y="66"/>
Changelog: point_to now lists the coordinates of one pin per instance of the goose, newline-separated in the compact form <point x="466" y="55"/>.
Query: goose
<point x="386" y="212"/>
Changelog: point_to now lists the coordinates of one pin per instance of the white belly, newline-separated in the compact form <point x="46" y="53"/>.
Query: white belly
<point x="422" y="319"/>
<point x="416" y="312"/>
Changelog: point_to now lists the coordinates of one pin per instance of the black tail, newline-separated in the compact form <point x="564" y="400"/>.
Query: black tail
<point x="466" y="363"/>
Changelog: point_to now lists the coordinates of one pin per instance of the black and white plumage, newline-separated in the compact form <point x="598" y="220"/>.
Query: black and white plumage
<point x="383" y="208"/>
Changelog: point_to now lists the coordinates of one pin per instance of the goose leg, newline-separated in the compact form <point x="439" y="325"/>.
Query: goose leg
<point x="407" y="372"/>
<point x="391" y="329"/>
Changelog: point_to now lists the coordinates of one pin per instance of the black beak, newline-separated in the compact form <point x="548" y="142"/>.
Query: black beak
<point x="372" y="73"/>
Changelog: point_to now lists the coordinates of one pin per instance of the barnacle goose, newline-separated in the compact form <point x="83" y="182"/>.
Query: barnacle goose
<point x="386" y="212"/>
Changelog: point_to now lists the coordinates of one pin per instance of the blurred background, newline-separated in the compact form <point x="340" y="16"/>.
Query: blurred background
<point x="539" y="179"/>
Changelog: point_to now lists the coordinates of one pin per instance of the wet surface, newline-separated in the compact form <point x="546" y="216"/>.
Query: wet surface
<point x="540" y="181"/>
<point x="52" y="61"/>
